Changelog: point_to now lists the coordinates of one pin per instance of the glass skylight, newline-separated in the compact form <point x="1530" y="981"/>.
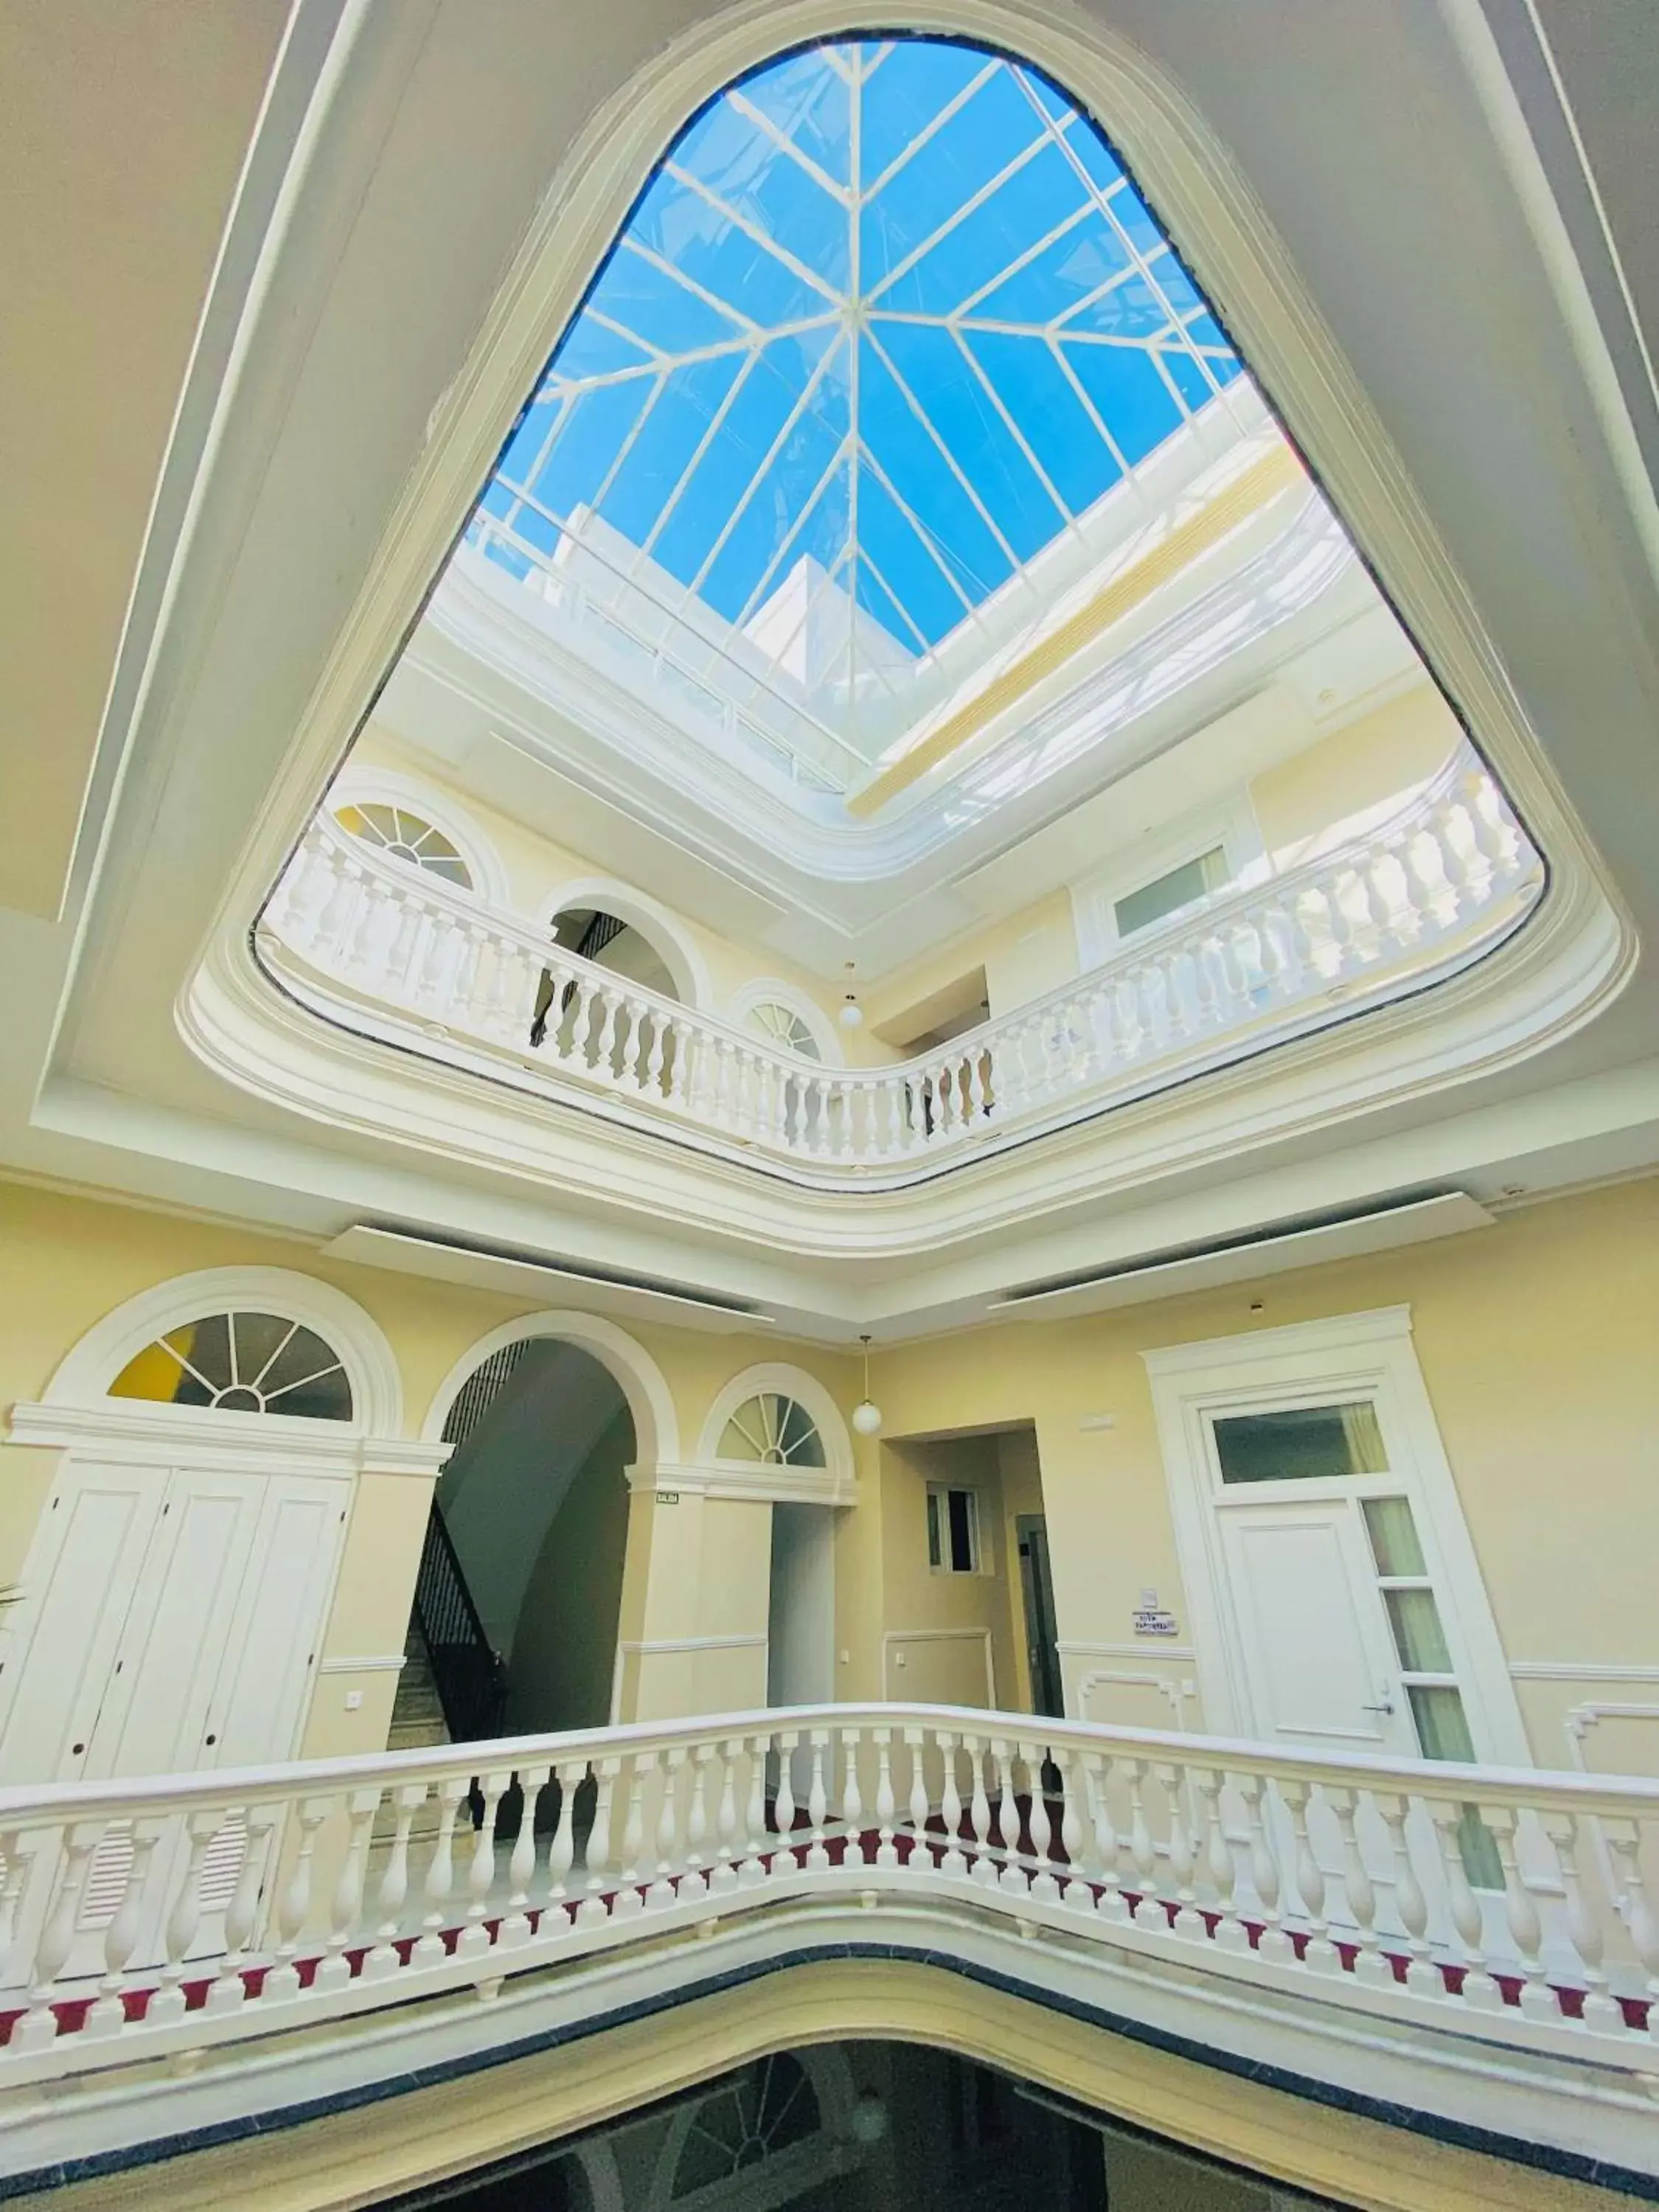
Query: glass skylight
<point x="886" y="337"/>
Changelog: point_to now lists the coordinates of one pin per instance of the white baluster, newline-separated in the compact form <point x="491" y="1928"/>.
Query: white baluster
<point x="1624" y="1840"/>
<point x="852" y="1804"/>
<point x="430" y="1948"/>
<point x="1183" y="1857"/>
<point x="1231" y="1934"/>
<point x="168" y="2003"/>
<point x="631" y="1042"/>
<point x="228" y="1991"/>
<point x="108" y="2013"/>
<point x="629" y="1898"/>
<point x="818" y="1804"/>
<point x="753" y="1869"/>
<point x="1043" y="1885"/>
<point x="920" y="1809"/>
<point x="1538" y="2000"/>
<point x="38" y="2029"/>
<point x="1274" y="1943"/>
<point x="281" y="1984"/>
<point x="1369" y="1965"/>
<point x="984" y="1867"/>
<point x="1479" y="1991"/>
<point x="1319" y="1953"/>
<point x="385" y="1958"/>
<point x="1012" y="1877"/>
<point x="594" y="1909"/>
<point x="886" y="1849"/>
<point x="1143" y="1853"/>
<point x="1601" y="2012"/>
<point x="1074" y="1840"/>
<point x="662" y="1892"/>
<point x="954" y="1863"/>
<point x="557" y="1919"/>
<point x="515" y="1927"/>
<point x="1422" y="1975"/>
<point x="1111" y="1903"/>
<point x="473" y="1941"/>
<point x="785" y="1859"/>
<point x="723" y="1875"/>
<point x="345" y="1912"/>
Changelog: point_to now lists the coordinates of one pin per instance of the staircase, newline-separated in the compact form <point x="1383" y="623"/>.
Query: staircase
<point x="417" y="1713"/>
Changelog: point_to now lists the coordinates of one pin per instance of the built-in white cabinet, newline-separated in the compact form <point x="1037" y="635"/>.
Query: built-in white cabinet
<point x="171" y="1619"/>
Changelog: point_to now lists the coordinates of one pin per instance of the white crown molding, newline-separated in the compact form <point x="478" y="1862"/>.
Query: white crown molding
<point x="379" y="1663"/>
<point x="1582" y="1670"/>
<point x="1300" y="1338"/>
<point x="749" y="1482"/>
<point x="198" y="1436"/>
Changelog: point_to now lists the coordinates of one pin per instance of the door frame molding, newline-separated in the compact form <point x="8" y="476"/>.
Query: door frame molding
<point x="1365" y="1354"/>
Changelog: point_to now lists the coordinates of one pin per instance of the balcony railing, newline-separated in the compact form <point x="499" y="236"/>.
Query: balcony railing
<point x="147" y="1919"/>
<point x="371" y="942"/>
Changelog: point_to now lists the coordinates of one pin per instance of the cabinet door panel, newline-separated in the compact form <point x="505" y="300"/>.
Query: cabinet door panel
<point x="79" y="1583"/>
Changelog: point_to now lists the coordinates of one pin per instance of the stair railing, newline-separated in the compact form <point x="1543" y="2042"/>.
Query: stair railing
<point x="468" y="1672"/>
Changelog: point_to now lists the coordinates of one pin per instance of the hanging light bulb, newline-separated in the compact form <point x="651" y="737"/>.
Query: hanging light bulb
<point x="852" y="1014"/>
<point x="866" y="1414"/>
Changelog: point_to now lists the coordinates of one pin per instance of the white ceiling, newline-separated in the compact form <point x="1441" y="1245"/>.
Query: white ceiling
<point x="1490" y="301"/>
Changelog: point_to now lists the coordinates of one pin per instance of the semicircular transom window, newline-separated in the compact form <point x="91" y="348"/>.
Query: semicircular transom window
<point x="775" y="1429"/>
<point x="890" y="371"/>
<point x="781" y="1024"/>
<point x="407" y="838"/>
<point x="242" y="1363"/>
<point x="767" y="2109"/>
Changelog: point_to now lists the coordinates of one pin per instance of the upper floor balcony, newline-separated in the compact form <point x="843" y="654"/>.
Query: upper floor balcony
<point x="398" y="954"/>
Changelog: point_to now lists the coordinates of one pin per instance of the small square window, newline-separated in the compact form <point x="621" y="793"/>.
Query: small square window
<point x="952" y="1529"/>
<point x="1167" y="894"/>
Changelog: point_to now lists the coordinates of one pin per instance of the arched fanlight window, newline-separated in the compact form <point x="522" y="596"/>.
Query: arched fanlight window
<point x="781" y="1024"/>
<point x="775" y="1430"/>
<point x="767" y="2108"/>
<point x="406" y="837"/>
<point x="242" y="1363"/>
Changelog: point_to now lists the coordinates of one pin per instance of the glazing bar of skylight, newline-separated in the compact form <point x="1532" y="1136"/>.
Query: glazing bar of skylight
<point x="820" y="177"/>
<point x="785" y="429"/>
<point x="930" y="130"/>
<point x="1016" y="567"/>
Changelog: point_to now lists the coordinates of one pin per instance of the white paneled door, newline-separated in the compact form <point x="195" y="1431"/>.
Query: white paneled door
<point x="1320" y="1670"/>
<point x="175" y="1619"/>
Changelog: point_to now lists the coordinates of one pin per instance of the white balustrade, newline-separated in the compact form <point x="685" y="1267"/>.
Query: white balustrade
<point x="1347" y="1882"/>
<point x="355" y="932"/>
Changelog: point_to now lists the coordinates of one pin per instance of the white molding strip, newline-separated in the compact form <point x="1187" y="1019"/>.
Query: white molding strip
<point x="378" y="1662"/>
<point x="1132" y="1678"/>
<point x="1332" y="1332"/>
<point x="1582" y="1670"/>
<point x="232" y="1444"/>
<point x="1148" y="1647"/>
<point x="650" y="1646"/>
<point x="754" y="1482"/>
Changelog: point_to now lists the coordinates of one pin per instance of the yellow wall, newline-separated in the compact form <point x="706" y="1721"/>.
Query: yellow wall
<point x="65" y="1261"/>
<point x="1536" y="1338"/>
<point x="1536" y="1342"/>
<point x="1359" y="775"/>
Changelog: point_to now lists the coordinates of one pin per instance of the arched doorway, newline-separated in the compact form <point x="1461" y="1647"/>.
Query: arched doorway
<point x="524" y="1555"/>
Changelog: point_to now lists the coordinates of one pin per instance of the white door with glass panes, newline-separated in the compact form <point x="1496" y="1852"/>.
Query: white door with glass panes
<point x="1342" y="1639"/>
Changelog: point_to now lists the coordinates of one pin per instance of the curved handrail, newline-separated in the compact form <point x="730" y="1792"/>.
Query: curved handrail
<point x="1447" y="875"/>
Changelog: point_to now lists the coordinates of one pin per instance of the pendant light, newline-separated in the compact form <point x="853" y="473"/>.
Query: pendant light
<point x="866" y="1414"/>
<point x="852" y="1014"/>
